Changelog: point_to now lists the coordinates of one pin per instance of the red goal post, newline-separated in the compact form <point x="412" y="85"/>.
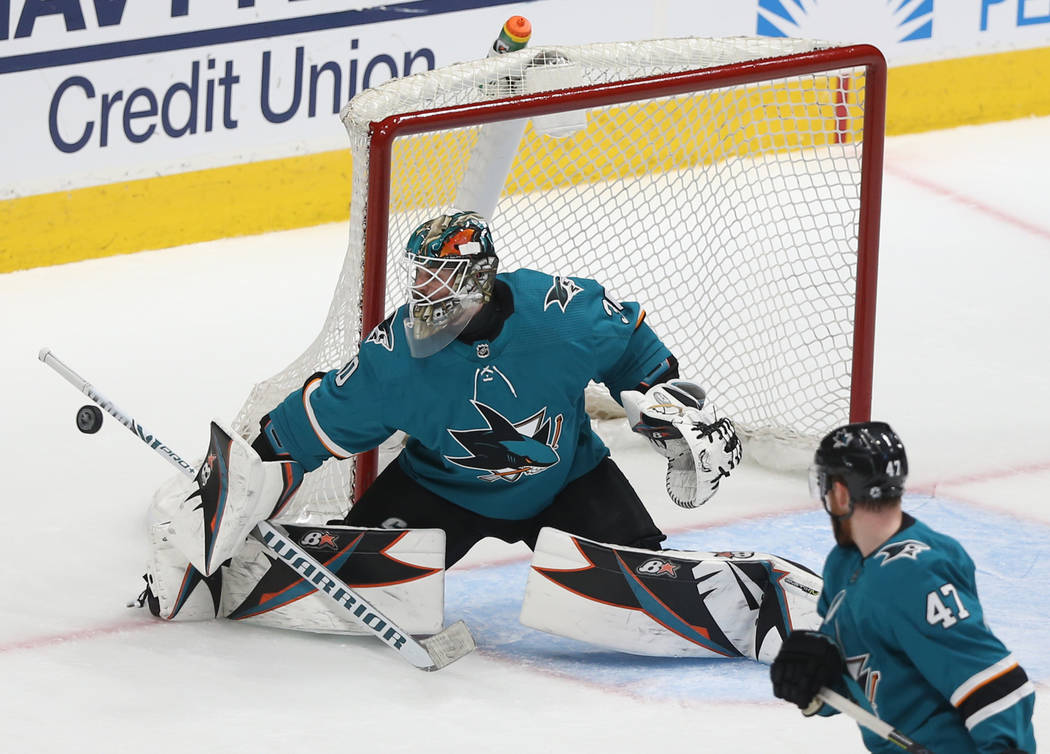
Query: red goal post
<point x="732" y="186"/>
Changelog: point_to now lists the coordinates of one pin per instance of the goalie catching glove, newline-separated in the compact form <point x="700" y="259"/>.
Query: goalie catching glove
<point x="683" y="427"/>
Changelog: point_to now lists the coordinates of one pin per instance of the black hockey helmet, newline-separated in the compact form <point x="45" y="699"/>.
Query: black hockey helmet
<point x="868" y="457"/>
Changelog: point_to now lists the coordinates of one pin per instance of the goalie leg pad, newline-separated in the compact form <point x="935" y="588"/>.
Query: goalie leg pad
<point x="235" y="490"/>
<point x="401" y="572"/>
<point x="667" y="603"/>
<point x="175" y="590"/>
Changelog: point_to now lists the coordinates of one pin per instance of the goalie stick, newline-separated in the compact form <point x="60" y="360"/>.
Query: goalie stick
<point x="869" y="721"/>
<point x="429" y="653"/>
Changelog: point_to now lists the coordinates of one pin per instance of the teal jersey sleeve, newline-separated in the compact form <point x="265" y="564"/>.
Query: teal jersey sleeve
<point x="625" y="351"/>
<point x="344" y="411"/>
<point x="939" y="624"/>
<point x="644" y="358"/>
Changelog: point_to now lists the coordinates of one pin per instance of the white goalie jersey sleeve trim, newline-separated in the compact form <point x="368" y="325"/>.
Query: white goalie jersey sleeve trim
<point x="330" y="445"/>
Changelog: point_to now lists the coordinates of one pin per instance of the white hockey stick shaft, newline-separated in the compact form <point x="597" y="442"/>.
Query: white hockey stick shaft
<point x="869" y="721"/>
<point x="117" y="413"/>
<point x="431" y="653"/>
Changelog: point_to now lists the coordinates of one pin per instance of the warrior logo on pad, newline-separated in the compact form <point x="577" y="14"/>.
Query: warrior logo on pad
<point x="506" y="449"/>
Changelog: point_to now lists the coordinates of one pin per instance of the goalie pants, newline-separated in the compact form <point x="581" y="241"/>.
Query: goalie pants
<point x="600" y="505"/>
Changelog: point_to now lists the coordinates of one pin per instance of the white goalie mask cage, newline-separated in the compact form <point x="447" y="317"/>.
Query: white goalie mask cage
<point x="451" y="265"/>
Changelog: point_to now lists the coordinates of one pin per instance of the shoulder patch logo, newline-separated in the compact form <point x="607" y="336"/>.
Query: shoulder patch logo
<point x="509" y="450"/>
<point x="909" y="548"/>
<point x="382" y="335"/>
<point x="561" y="292"/>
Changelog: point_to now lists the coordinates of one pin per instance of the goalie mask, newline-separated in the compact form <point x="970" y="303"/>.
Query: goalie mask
<point x="451" y="269"/>
<point x="868" y="457"/>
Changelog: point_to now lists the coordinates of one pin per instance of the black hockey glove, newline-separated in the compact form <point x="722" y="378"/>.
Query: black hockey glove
<point x="807" y="661"/>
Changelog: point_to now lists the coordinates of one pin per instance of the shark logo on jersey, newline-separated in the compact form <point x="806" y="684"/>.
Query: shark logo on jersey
<point x="909" y="548"/>
<point x="382" y="335"/>
<point x="865" y="676"/>
<point x="509" y="450"/>
<point x="561" y="292"/>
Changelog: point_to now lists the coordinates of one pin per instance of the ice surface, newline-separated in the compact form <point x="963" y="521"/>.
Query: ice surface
<point x="176" y="337"/>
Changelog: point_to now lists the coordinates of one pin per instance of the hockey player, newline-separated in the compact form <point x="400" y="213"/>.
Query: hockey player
<point x="485" y="373"/>
<point x="903" y="631"/>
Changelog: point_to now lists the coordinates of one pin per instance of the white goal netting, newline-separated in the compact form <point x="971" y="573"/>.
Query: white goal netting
<point x="729" y="207"/>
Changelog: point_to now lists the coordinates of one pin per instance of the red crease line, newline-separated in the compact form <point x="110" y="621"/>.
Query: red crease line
<point x="41" y="642"/>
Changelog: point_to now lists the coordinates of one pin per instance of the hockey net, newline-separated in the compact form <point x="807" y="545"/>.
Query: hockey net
<point x="731" y="186"/>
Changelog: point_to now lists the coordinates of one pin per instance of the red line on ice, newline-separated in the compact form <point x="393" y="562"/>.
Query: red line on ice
<point x="969" y="201"/>
<point x="990" y="475"/>
<point x="40" y="642"/>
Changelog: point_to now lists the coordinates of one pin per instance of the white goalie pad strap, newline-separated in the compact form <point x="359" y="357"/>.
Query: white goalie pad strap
<point x="400" y="572"/>
<point x="236" y="490"/>
<point x="667" y="603"/>
<point x="182" y="593"/>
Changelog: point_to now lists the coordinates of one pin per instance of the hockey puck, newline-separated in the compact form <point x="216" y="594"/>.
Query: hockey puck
<point x="89" y="419"/>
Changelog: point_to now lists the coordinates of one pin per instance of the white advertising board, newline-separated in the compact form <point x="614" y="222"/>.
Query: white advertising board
<point x="98" y="91"/>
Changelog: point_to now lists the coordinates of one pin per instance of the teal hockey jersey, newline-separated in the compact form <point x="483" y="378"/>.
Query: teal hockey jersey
<point x="496" y="427"/>
<point x="917" y="648"/>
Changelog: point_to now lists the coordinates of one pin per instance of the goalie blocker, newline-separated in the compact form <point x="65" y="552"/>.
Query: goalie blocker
<point x="667" y="603"/>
